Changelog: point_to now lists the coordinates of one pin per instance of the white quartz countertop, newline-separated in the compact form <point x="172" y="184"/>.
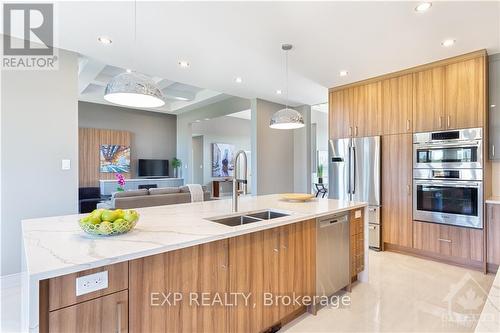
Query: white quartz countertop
<point x="56" y="246"/>
<point x="493" y="200"/>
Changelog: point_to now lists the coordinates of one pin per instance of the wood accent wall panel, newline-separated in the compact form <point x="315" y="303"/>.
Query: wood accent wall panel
<point x="197" y="269"/>
<point x="428" y="108"/>
<point x="464" y="91"/>
<point x="89" y="141"/>
<point x="62" y="289"/>
<point x="397" y="189"/>
<point x="103" y="314"/>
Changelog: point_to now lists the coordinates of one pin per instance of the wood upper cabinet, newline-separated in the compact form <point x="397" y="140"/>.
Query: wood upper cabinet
<point x="465" y="93"/>
<point x="397" y="189"/>
<point x="196" y="269"/>
<point x="103" y="314"/>
<point x="428" y="108"/>
<point x="279" y="261"/>
<point x="493" y="227"/>
<point x="337" y="121"/>
<point x="397" y="104"/>
<point x="356" y="111"/>
<point x="368" y="110"/>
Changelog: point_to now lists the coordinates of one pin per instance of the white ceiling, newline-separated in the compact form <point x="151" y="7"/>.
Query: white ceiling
<point x="93" y="76"/>
<point x="224" y="40"/>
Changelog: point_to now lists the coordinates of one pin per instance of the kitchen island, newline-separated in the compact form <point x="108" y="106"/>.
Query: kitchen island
<point x="189" y="253"/>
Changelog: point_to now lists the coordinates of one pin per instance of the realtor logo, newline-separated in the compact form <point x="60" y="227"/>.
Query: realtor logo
<point x="28" y="41"/>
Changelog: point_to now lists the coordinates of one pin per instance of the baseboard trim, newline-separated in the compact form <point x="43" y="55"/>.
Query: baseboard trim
<point x="472" y="264"/>
<point x="491" y="268"/>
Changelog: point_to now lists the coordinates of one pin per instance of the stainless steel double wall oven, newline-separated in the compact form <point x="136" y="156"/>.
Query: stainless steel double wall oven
<point x="448" y="177"/>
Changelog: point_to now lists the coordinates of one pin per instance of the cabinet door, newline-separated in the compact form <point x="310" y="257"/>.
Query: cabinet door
<point x="348" y="111"/>
<point x="189" y="272"/>
<point x="460" y="244"/>
<point x="493" y="245"/>
<point x="397" y="104"/>
<point x="494" y="105"/>
<point x="397" y="189"/>
<point x="357" y="242"/>
<point x="367" y="112"/>
<point x="297" y="262"/>
<point x="428" y="110"/>
<point x="103" y="314"/>
<point x="254" y="264"/>
<point x="465" y="94"/>
<point x="337" y="121"/>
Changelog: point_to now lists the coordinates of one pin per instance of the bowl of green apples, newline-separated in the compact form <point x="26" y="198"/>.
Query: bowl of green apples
<point x="109" y="222"/>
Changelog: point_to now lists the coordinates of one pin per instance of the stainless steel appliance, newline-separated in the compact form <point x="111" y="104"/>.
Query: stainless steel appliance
<point x="332" y="254"/>
<point x="448" y="149"/>
<point x="354" y="175"/>
<point x="448" y="177"/>
<point x="448" y="196"/>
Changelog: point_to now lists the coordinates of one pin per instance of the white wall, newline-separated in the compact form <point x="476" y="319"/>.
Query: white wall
<point x="39" y="128"/>
<point x="184" y="127"/>
<point x="154" y="134"/>
<point x="225" y="129"/>
<point x="273" y="152"/>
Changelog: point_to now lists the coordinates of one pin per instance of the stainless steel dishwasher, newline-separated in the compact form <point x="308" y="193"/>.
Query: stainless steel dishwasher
<point x="332" y="254"/>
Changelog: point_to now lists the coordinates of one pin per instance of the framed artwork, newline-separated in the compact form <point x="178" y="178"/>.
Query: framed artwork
<point x="222" y="160"/>
<point x="114" y="158"/>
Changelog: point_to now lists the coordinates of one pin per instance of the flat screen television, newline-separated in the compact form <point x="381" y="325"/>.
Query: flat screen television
<point x="152" y="168"/>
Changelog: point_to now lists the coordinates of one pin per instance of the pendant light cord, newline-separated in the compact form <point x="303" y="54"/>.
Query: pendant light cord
<point x="286" y="75"/>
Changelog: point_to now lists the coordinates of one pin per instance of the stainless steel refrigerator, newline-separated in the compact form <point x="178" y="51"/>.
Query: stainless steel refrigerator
<point x="354" y="175"/>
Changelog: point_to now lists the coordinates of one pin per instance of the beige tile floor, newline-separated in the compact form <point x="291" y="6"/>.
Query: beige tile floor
<point x="405" y="294"/>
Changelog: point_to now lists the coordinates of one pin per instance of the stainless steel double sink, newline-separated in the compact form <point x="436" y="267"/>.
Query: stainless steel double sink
<point x="248" y="217"/>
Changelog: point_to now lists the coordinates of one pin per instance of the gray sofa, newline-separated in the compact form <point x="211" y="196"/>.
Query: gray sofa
<point x="152" y="197"/>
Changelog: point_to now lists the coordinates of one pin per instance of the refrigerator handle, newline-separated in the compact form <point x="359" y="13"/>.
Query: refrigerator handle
<point x="349" y="166"/>
<point x="354" y="170"/>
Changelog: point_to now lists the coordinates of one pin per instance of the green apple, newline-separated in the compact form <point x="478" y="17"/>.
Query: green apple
<point x="105" y="228"/>
<point x="110" y="215"/>
<point x="120" y="213"/>
<point x="120" y="225"/>
<point x="131" y="215"/>
<point x="94" y="219"/>
<point x="96" y="214"/>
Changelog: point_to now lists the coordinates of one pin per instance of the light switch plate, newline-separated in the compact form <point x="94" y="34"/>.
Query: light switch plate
<point x="92" y="282"/>
<point x="66" y="164"/>
<point x="357" y="214"/>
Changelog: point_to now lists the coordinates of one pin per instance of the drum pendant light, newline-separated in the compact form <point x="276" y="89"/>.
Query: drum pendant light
<point x="134" y="89"/>
<point x="286" y="118"/>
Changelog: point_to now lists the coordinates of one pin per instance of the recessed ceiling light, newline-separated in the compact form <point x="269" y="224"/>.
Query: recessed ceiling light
<point x="448" y="42"/>
<point x="278" y="92"/>
<point x="197" y="120"/>
<point x="207" y="118"/>
<point x="184" y="64"/>
<point x="104" y="40"/>
<point x="129" y="70"/>
<point x="423" y="7"/>
<point x="493" y="105"/>
<point x="343" y="73"/>
<point x="238" y="80"/>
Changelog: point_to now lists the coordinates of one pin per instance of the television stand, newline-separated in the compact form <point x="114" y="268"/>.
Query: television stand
<point x="108" y="186"/>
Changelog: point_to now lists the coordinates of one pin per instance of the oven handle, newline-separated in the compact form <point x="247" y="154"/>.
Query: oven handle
<point x="471" y="143"/>
<point x="452" y="184"/>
